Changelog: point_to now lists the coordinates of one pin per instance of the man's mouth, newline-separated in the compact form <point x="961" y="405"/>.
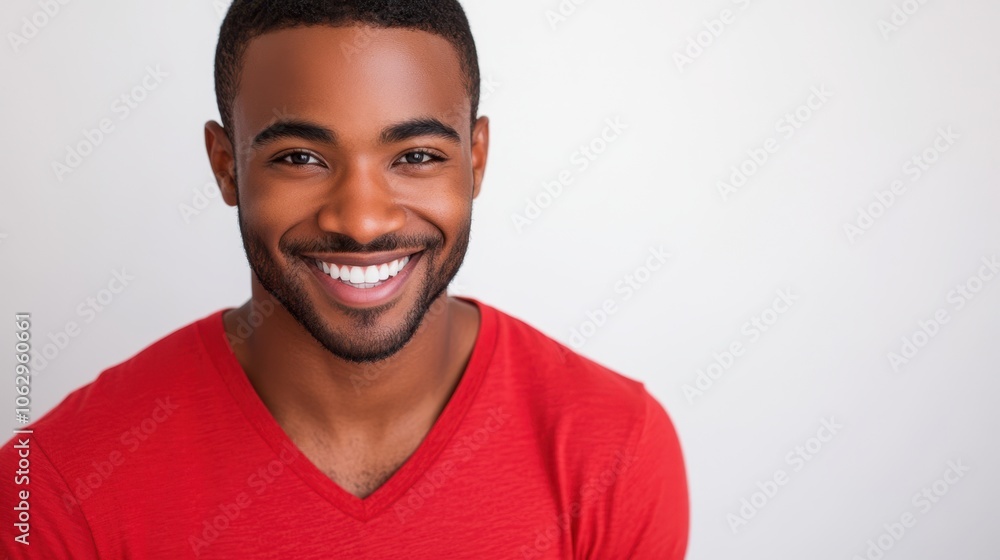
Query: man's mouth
<point x="363" y="277"/>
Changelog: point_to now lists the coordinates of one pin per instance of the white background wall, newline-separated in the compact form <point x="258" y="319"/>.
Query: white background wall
<point x="657" y="185"/>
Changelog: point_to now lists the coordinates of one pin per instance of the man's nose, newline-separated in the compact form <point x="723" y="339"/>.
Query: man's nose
<point x="362" y="204"/>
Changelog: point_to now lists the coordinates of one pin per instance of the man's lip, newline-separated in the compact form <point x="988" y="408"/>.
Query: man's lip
<point x="345" y="295"/>
<point x="359" y="259"/>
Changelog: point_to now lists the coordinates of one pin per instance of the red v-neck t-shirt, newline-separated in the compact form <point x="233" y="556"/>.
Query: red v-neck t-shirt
<point x="539" y="453"/>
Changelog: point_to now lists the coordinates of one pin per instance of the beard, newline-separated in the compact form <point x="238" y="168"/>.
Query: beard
<point x="364" y="338"/>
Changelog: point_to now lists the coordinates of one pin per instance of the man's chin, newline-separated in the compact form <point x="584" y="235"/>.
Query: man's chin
<point x="372" y="338"/>
<point x="354" y="333"/>
<point x="362" y="334"/>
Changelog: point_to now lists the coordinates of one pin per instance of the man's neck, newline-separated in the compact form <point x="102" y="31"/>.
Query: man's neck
<point x="312" y="393"/>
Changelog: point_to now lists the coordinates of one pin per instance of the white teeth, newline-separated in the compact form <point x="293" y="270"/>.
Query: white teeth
<point x="364" y="276"/>
<point x="357" y="275"/>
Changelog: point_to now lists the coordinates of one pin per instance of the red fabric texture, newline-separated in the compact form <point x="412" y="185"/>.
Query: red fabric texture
<point x="539" y="453"/>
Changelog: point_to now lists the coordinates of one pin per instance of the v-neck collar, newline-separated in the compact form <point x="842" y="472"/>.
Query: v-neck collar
<point x="213" y="336"/>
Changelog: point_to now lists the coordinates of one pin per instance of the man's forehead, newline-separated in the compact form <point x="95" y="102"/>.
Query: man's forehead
<point x="353" y="77"/>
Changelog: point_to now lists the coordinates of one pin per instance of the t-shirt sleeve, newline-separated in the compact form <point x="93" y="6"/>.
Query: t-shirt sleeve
<point x="650" y="517"/>
<point x="56" y="527"/>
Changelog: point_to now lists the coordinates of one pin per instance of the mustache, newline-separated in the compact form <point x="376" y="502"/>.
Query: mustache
<point x="340" y="243"/>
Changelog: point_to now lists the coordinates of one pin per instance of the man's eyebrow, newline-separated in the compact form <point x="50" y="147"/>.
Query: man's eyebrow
<point x="294" y="129"/>
<point x="413" y="128"/>
<point x="398" y="132"/>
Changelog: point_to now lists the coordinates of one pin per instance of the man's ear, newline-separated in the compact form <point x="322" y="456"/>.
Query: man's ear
<point x="220" y="157"/>
<point x="480" y="151"/>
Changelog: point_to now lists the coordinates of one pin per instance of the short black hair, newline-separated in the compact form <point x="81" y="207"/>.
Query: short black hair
<point x="247" y="19"/>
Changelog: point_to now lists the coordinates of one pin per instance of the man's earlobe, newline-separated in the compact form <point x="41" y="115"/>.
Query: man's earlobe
<point x="220" y="157"/>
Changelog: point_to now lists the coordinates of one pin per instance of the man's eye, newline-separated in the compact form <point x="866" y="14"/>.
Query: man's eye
<point x="419" y="157"/>
<point x="299" y="158"/>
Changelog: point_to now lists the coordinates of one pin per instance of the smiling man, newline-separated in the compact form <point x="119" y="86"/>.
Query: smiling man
<point x="352" y="408"/>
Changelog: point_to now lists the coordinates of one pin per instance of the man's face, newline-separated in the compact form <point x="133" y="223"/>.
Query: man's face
<point x="353" y="147"/>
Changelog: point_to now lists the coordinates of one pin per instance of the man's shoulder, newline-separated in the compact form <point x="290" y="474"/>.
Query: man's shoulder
<point x="590" y="420"/>
<point x="564" y="385"/>
<point x="563" y="367"/>
<point x="147" y="385"/>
